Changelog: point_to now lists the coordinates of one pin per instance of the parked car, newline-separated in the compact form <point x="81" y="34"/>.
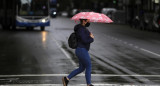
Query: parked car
<point x="108" y="11"/>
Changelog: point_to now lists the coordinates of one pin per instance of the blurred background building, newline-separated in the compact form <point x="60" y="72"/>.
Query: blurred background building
<point x="137" y="13"/>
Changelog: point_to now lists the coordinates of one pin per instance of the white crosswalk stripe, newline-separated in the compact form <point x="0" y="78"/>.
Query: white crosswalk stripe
<point x="74" y="85"/>
<point x="60" y="85"/>
<point x="94" y="75"/>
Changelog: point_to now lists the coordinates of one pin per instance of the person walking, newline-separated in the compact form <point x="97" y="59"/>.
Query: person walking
<point x="85" y="38"/>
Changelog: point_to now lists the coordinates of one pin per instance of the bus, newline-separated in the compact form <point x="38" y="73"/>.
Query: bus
<point x="25" y="13"/>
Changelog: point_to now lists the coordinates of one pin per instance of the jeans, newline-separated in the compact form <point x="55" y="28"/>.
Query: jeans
<point x="84" y="64"/>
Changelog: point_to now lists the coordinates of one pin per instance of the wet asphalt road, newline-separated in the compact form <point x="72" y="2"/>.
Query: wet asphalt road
<point x="120" y="55"/>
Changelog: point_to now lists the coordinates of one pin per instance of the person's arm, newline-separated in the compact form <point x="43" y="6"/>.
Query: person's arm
<point x="84" y="37"/>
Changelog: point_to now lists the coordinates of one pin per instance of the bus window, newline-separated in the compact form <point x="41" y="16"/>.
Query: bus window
<point x="33" y="8"/>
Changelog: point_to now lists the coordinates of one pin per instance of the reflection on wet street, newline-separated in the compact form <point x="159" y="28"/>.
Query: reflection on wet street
<point x="120" y="55"/>
<point x="44" y="38"/>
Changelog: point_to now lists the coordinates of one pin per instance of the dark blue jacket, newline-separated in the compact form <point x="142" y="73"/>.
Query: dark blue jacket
<point x="83" y="35"/>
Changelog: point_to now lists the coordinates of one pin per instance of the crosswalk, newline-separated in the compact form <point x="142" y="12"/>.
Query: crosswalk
<point x="68" y="85"/>
<point x="36" y="80"/>
<point x="59" y="85"/>
<point x="74" y="85"/>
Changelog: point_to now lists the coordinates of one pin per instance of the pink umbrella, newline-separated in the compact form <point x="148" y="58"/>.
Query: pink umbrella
<point x="92" y="16"/>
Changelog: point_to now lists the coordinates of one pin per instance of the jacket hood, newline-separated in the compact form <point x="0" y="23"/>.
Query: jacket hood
<point x="77" y="26"/>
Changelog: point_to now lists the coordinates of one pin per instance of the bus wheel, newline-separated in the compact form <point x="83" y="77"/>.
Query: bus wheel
<point x="42" y="28"/>
<point x="31" y="28"/>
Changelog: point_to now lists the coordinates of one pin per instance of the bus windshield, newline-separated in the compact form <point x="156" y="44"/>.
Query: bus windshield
<point x="33" y="7"/>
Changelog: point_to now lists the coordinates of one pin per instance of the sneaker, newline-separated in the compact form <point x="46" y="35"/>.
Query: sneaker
<point x="65" y="81"/>
<point x="91" y="85"/>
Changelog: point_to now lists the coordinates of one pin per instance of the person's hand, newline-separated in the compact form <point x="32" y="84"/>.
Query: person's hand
<point x="91" y="35"/>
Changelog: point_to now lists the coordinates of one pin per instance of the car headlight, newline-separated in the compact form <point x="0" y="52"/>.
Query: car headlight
<point x="54" y="13"/>
<point x="43" y="20"/>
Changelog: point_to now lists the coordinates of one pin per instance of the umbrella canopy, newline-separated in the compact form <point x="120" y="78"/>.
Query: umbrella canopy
<point x="92" y="16"/>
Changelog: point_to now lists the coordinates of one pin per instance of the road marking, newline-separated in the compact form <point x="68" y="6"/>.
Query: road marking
<point x="65" y="53"/>
<point x="125" y="43"/>
<point x="95" y="84"/>
<point x="9" y="79"/>
<point x="141" y="78"/>
<point x="131" y="44"/>
<point x="124" y="69"/>
<point x="150" y="52"/>
<point x="114" y="69"/>
<point x="94" y="75"/>
<point x="138" y="47"/>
